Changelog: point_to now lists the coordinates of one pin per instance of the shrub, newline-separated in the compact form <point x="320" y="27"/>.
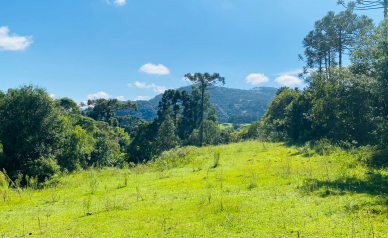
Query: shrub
<point x="31" y="129"/>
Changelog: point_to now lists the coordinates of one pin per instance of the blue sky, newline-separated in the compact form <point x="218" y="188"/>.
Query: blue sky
<point x="135" y="49"/>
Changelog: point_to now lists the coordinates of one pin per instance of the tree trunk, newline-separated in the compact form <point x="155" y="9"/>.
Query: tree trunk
<point x="340" y="50"/>
<point x="329" y="57"/>
<point x="329" y="62"/>
<point x="202" y="96"/>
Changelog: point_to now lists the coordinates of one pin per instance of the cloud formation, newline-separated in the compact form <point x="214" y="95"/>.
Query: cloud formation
<point x="98" y="95"/>
<point x="156" y="88"/>
<point x="142" y="98"/>
<point x="256" y="79"/>
<point x="13" y="42"/>
<point x="288" y="80"/>
<point x="154" y="69"/>
<point x="52" y="96"/>
<point x="119" y="2"/>
<point x="120" y="98"/>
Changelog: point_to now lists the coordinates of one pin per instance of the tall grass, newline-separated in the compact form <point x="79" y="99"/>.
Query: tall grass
<point x="236" y="190"/>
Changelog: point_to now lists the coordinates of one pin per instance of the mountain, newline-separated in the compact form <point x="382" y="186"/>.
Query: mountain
<point x="231" y="104"/>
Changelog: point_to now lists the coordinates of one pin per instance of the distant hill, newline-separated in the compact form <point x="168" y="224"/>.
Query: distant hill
<point x="231" y="104"/>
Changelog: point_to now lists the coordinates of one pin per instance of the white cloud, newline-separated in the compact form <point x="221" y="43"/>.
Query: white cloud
<point x="256" y="79"/>
<point x="142" y="98"/>
<point x="52" y="96"/>
<point x="119" y="2"/>
<point x="142" y="85"/>
<point x="160" y="89"/>
<point x="288" y="80"/>
<point x="120" y="98"/>
<point x="13" y="42"/>
<point x="154" y="69"/>
<point x="156" y="88"/>
<point x="98" y="95"/>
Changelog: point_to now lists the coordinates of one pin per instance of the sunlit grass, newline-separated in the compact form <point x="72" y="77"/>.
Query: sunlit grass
<point x="255" y="190"/>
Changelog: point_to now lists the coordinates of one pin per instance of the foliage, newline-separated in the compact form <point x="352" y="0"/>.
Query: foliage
<point x="166" y="138"/>
<point x="31" y="131"/>
<point x="347" y="104"/>
<point x="105" y="109"/>
<point x="41" y="137"/>
<point x="243" y="106"/>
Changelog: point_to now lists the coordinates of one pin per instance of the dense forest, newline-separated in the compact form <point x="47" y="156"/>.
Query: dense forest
<point x="232" y="105"/>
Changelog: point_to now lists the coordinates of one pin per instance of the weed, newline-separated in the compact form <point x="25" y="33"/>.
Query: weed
<point x="216" y="160"/>
<point x="93" y="181"/>
<point x="5" y="186"/>
<point x="17" y="184"/>
<point x="87" y="204"/>
<point x="138" y="194"/>
<point x="53" y="195"/>
<point x="126" y="173"/>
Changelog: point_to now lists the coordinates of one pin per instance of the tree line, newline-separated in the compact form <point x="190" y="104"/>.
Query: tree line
<point x="348" y="104"/>
<point x="41" y="137"/>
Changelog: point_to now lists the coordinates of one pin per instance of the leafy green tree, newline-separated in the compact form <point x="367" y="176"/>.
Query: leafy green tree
<point x="366" y="5"/>
<point x="167" y="138"/>
<point x="334" y="35"/>
<point x="105" y="109"/>
<point x="171" y="105"/>
<point x="255" y="130"/>
<point x="211" y="132"/>
<point x="190" y="117"/>
<point x="204" y="81"/>
<point x="371" y="60"/>
<point x="276" y="112"/>
<point x="69" y="105"/>
<point x="31" y="129"/>
<point x="298" y="120"/>
<point x="110" y="145"/>
<point x="77" y="150"/>
<point x="143" y="146"/>
<point x="347" y="29"/>
<point x="226" y="135"/>
<point x="128" y="122"/>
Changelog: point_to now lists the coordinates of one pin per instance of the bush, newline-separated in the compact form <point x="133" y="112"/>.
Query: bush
<point x="174" y="158"/>
<point x="379" y="158"/>
<point x="44" y="168"/>
<point x="255" y="130"/>
<point x="31" y="128"/>
<point x="323" y="146"/>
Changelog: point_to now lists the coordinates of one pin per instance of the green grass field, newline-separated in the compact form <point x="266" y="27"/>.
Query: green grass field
<point x="253" y="190"/>
<point x="227" y="125"/>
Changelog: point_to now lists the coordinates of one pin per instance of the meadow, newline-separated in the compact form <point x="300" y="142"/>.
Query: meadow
<point x="249" y="189"/>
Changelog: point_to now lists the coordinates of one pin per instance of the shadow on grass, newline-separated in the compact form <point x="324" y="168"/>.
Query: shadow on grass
<point x="375" y="185"/>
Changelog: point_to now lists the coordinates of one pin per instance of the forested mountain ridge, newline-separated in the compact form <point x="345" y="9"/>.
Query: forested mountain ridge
<point x="228" y="102"/>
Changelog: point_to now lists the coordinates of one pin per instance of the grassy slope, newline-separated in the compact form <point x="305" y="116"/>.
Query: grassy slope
<point x="227" y="125"/>
<point x="257" y="191"/>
